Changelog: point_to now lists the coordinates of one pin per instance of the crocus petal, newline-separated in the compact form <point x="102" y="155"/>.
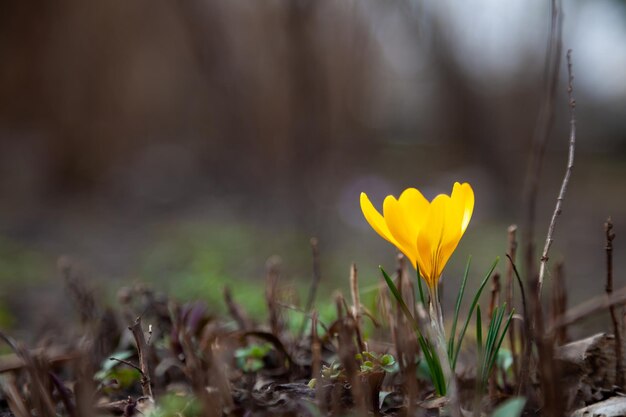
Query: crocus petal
<point x="375" y="219"/>
<point x="415" y="210"/>
<point x="464" y="195"/>
<point x="455" y="215"/>
<point x="430" y="238"/>
<point x="458" y="215"/>
<point x="396" y="220"/>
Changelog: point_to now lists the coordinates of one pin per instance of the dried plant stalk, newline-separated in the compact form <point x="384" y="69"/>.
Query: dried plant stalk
<point x="568" y="172"/>
<point x="619" y="367"/>
<point x="271" y="293"/>
<point x="317" y="277"/>
<point x="142" y="352"/>
<point x="355" y="311"/>
<point x="559" y="303"/>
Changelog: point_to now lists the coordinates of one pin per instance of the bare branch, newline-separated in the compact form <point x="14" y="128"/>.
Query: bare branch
<point x="127" y="363"/>
<point x="511" y="252"/>
<point x="619" y="367"/>
<point x="589" y="307"/>
<point x="568" y="172"/>
<point x="142" y="352"/>
<point x="317" y="276"/>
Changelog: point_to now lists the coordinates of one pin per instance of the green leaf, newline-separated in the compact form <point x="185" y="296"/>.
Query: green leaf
<point x="174" y="404"/>
<point x="401" y="303"/>
<point x="432" y="360"/>
<point x="459" y="299"/>
<point x="387" y="359"/>
<point x="419" y="287"/>
<point x="479" y="331"/>
<point x="469" y="315"/>
<point x="510" y="408"/>
<point x="109" y="364"/>
<point x="382" y="395"/>
<point x="504" y="360"/>
<point x="434" y="366"/>
<point x="125" y="376"/>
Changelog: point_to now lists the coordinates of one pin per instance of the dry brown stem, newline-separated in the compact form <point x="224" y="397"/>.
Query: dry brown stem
<point x="568" y="172"/>
<point x="594" y="305"/>
<point x="355" y="311"/>
<point x="559" y="302"/>
<point x="547" y="368"/>
<point x="142" y="352"/>
<point x="236" y="311"/>
<point x="619" y="366"/>
<point x="38" y="373"/>
<point x="271" y="293"/>
<point x="317" y="277"/>
<point x="13" y="397"/>
<point x="316" y="357"/>
<point x="512" y="252"/>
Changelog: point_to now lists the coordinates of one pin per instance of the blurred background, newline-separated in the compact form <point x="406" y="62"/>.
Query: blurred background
<point x="184" y="143"/>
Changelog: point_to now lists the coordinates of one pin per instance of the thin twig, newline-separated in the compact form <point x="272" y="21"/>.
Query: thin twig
<point x="568" y="170"/>
<point x="142" y="352"/>
<point x="54" y="355"/>
<point x="589" y="307"/>
<point x="236" y="311"/>
<point x="619" y="367"/>
<point x="559" y="302"/>
<point x="41" y="400"/>
<point x="13" y="397"/>
<point x="316" y="358"/>
<point x="347" y="351"/>
<point x="356" y="307"/>
<point x="548" y="371"/>
<point x="271" y="293"/>
<point x="314" y="283"/>
<point x="128" y="363"/>
<point x="354" y="292"/>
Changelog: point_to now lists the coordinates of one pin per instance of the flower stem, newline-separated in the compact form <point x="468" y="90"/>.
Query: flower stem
<point x="438" y="339"/>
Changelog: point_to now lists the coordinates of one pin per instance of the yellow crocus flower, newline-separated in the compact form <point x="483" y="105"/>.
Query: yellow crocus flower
<point x="426" y="232"/>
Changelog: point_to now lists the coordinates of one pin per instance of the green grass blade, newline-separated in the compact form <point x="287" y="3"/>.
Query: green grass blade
<point x="469" y="315"/>
<point x="400" y="300"/>
<point x="459" y="299"/>
<point x="492" y="335"/>
<point x="434" y="366"/>
<point x="500" y="340"/>
<point x="419" y="287"/>
<point x="479" y="332"/>
<point x="432" y="360"/>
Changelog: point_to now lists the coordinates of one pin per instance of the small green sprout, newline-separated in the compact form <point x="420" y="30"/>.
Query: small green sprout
<point x="112" y="375"/>
<point x="333" y="371"/>
<point x="252" y="358"/>
<point x="373" y="362"/>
